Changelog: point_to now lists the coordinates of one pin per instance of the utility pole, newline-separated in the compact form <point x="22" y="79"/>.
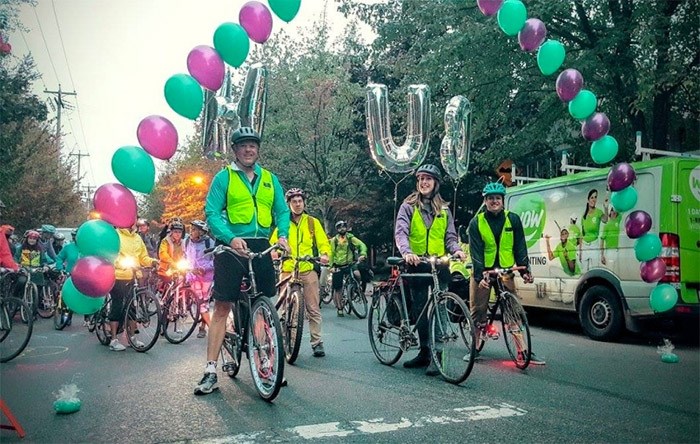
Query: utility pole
<point x="88" y="192"/>
<point x="59" y="103"/>
<point x="78" y="155"/>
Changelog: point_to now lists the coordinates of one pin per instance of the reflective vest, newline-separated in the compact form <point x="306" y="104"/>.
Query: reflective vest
<point x="505" y="252"/>
<point x="242" y="205"/>
<point x="431" y="240"/>
<point x="30" y="258"/>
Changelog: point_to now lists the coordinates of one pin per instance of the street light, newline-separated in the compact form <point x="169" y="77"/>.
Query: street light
<point x="197" y="179"/>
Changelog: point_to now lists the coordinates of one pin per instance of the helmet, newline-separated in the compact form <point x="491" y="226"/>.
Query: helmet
<point x="176" y="225"/>
<point x="292" y="192"/>
<point x="494" y="188"/>
<point x="59" y="236"/>
<point x="341" y="223"/>
<point x="74" y="232"/>
<point x="33" y="234"/>
<point x="200" y="224"/>
<point x="46" y="228"/>
<point x="430" y="170"/>
<point x="141" y="221"/>
<point x="245" y="133"/>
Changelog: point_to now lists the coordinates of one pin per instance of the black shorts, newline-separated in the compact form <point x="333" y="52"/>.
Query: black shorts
<point x="230" y="269"/>
<point x="338" y="276"/>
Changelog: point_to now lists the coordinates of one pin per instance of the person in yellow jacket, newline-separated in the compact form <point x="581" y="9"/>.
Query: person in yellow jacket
<point x="171" y="250"/>
<point x="132" y="253"/>
<point x="305" y="233"/>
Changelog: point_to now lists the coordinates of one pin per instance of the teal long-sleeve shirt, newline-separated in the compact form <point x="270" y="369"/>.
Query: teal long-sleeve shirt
<point x="217" y="217"/>
<point x="69" y="255"/>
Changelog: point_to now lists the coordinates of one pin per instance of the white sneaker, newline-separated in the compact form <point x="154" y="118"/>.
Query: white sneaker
<point x="136" y="343"/>
<point x="114" y="345"/>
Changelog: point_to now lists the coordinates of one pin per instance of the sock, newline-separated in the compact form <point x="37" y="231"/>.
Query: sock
<point x="210" y="367"/>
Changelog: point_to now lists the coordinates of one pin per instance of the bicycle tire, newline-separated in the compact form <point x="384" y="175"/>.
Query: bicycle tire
<point x="516" y="331"/>
<point x="46" y="302"/>
<point x="61" y="314"/>
<point x="266" y="351"/>
<point x="16" y="330"/>
<point x="232" y="347"/>
<point x="452" y="338"/>
<point x="31" y="295"/>
<point x="384" y="335"/>
<point x="189" y="318"/>
<point x="359" y="301"/>
<point x="143" y="320"/>
<point x="345" y="296"/>
<point x="102" y="323"/>
<point x="293" y="323"/>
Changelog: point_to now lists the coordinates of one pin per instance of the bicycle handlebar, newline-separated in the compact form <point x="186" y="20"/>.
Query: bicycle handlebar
<point x="396" y="260"/>
<point x="502" y="271"/>
<point x="251" y="255"/>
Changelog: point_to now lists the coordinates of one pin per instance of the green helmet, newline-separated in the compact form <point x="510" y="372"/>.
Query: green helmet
<point x="46" y="228"/>
<point x="494" y="188"/>
<point x="245" y="133"/>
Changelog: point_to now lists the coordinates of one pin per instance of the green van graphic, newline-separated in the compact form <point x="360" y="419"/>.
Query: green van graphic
<point x="532" y="212"/>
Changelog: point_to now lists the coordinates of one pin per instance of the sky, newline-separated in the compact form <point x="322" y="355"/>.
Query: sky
<point x="117" y="54"/>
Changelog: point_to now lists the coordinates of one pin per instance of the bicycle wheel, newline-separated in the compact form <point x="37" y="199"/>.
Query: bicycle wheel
<point x="384" y="328"/>
<point x="516" y="330"/>
<point x="293" y="323"/>
<point x="327" y="290"/>
<point x="359" y="301"/>
<point x="452" y="338"/>
<point x="143" y="320"/>
<point x="347" y="300"/>
<point x="46" y="302"/>
<point x="180" y="318"/>
<point x="265" y="349"/>
<point x="31" y="295"/>
<point x="100" y="323"/>
<point x="232" y="347"/>
<point x="61" y="314"/>
<point x="15" y="331"/>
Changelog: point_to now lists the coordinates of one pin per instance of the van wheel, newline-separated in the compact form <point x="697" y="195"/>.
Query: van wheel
<point x="600" y="314"/>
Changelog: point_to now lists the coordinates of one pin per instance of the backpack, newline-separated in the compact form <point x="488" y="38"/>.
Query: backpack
<point x="314" y="247"/>
<point x="351" y="246"/>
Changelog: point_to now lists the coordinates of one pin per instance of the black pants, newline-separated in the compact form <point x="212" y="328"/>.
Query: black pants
<point x="119" y="293"/>
<point x="419" y="295"/>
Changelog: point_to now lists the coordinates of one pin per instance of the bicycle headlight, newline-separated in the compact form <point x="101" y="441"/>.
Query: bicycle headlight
<point x="127" y="262"/>
<point x="183" y="265"/>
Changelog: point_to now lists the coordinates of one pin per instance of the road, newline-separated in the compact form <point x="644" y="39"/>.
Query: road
<point x="588" y="392"/>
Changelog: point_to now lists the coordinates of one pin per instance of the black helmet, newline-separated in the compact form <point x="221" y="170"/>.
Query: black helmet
<point x="293" y="192"/>
<point x="341" y="223"/>
<point x="430" y="170"/>
<point x="176" y="225"/>
<point x="245" y="133"/>
<point x="200" y="224"/>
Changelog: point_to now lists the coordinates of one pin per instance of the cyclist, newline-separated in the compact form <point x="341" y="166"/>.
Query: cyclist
<point x="46" y="241"/>
<point x="171" y="250"/>
<point x="344" y="252"/>
<point x="132" y="247"/>
<point x="65" y="261"/>
<point x="6" y="260"/>
<point x="201" y="276"/>
<point x="30" y="254"/>
<point x="147" y="238"/>
<point x="425" y="226"/>
<point x="489" y="251"/>
<point x="242" y="202"/>
<point x="58" y="240"/>
<point x="305" y="233"/>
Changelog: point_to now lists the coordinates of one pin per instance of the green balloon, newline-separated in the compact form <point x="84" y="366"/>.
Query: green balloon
<point x="604" y="150"/>
<point x="285" y="9"/>
<point x="647" y="247"/>
<point x="624" y="200"/>
<point x="78" y="302"/>
<point x="512" y="16"/>
<point x="98" y="238"/>
<point x="184" y="95"/>
<point x="583" y="105"/>
<point x="134" y="168"/>
<point x="663" y="298"/>
<point x="232" y="43"/>
<point x="550" y="56"/>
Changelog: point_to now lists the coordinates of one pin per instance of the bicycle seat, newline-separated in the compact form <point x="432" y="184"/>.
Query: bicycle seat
<point x="393" y="260"/>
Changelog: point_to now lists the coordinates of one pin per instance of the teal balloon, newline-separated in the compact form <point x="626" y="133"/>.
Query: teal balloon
<point x="604" y="149"/>
<point x="285" y="9"/>
<point x="134" y="168"/>
<point x="184" y="95"/>
<point x="624" y="200"/>
<point x="98" y="238"/>
<point x="550" y="56"/>
<point x="78" y="302"/>
<point x="647" y="247"/>
<point x="512" y="16"/>
<point x="232" y="43"/>
<point x="583" y="105"/>
<point x="663" y="298"/>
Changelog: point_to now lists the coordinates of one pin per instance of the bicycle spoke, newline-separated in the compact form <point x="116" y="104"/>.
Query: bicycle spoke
<point x="266" y="357"/>
<point x="143" y="321"/>
<point x="516" y="331"/>
<point x="452" y="338"/>
<point x="15" y="330"/>
<point x="384" y="332"/>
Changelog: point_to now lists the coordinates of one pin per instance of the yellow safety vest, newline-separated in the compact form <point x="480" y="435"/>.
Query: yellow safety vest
<point x="242" y="205"/>
<point x="431" y="240"/>
<point x="505" y="252"/>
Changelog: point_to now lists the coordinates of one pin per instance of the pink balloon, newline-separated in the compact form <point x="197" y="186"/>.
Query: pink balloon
<point x="532" y="35"/>
<point x="206" y="66"/>
<point x="595" y="127"/>
<point x="158" y="136"/>
<point x="569" y="83"/>
<point x="256" y="19"/>
<point x="115" y="204"/>
<point x="489" y="7"/>
<point x="621" y="176"/>
<point x="93" y="276"/>
<point x="637" y="224"/>
<point x="653" y="270"/>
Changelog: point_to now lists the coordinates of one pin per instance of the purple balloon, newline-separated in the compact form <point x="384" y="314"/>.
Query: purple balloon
<point x="621" y="176"/>
<point x="569" y="83"/>
<point x="116" y="205"/>
<point x="595" y="127"/>
<point x="256" y="19"/>
<point x="158" y="136"/>
<point x="532" y="35"/>
<point x="93" y="276"/>
<point x="489" y="7"/>
<point x="637" y="223"/>
<point x="206" y="66"/>
<point x="653" y="270"/>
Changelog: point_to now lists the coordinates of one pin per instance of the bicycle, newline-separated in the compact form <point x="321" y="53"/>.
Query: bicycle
<point x="180" y="306"/>
<point x="452" y="337"/>
<point x="290" y="307"/>
<point x="516" y="331"/>
<point x="62" y="315"/>
<point x="48" y="293"/>
<point x="256" y="331"/>
<point x="326" y="285"/>
<point x="16" y="322"/>
<point x="352" y="298"/>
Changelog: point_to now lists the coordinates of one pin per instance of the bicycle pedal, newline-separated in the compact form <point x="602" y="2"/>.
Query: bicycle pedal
<point x="228" y="367"/>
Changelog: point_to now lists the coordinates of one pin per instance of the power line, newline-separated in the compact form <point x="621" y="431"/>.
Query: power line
<point x="41" y="77"/>
<point x="45" y="44"/>
<point x="60" y="37"/>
